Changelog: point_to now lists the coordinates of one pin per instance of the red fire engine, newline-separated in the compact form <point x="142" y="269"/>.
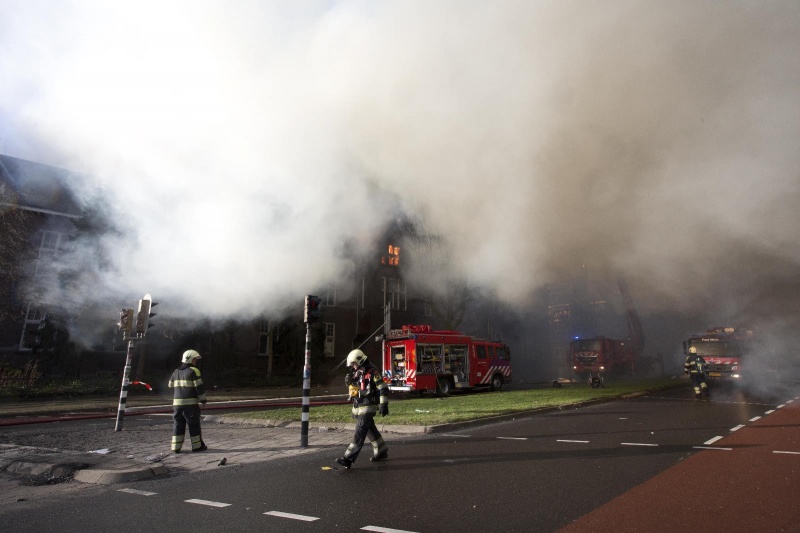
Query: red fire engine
<point x="595" y="357"/>
<point x="416" y="358"/>
<point x="723" y="349"/>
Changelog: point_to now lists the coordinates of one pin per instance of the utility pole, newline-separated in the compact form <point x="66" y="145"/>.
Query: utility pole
<point x="311" y="314"/>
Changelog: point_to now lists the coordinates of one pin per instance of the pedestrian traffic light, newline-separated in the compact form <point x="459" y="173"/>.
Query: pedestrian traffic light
<point x="125" y="320"/>
<point x="312" y="310"/>
<point x="144" y="315"/>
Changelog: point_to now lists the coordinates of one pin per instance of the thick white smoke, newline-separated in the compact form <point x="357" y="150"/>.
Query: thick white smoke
<point x="244" y="142"/>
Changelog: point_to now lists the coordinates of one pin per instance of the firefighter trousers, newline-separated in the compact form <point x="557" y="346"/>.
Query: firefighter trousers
<point x="183" y="415"/>
<point x="699" y="384"/>
<point x="365" y="428"/>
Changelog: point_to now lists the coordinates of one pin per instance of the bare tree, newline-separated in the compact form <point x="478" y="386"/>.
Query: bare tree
<point x="447" y="292"/>
<point x="16" y="227"/>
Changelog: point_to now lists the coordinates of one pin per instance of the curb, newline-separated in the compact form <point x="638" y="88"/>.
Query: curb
<point x="108" y="477"/>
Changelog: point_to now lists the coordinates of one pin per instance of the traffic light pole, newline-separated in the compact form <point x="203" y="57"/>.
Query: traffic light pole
<point x="123" y="394"/>
<point x="306" y="390"/>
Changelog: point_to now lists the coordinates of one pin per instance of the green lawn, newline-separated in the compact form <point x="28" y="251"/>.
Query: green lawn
<point x="461" y="407"/>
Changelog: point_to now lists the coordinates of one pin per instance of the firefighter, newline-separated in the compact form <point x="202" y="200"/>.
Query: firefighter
<point x="695" y="366"/>
<point x="189" y="392"/>
<point x="369" y="394"/>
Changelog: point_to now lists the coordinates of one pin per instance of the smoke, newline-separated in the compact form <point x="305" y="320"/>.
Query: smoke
<point x="244" y="145"/>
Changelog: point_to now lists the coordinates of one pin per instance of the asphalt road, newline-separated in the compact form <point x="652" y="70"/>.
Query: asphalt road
<point x="537" y="473"/>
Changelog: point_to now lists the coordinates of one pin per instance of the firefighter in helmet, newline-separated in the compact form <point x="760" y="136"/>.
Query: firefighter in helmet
<point x="369" y="394"/>
<point x="695" y="366"/>
<point x="189" y="392"/>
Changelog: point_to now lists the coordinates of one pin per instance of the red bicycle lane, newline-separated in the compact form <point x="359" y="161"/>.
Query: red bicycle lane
<point x="753" y="487"/>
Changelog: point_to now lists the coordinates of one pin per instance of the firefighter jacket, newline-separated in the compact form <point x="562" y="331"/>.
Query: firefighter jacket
<point x="694" y="364"/>
<point x="189" y="388"/>
<point x="371" y="390"/>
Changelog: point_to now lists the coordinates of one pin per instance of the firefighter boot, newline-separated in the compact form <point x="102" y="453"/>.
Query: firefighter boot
<point x="380" y="457"/>
<point x="705" y="391"/>
<point x="345" y="462"/>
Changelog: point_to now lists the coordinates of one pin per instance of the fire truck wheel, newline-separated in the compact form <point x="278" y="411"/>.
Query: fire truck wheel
<point x="497" y="382"/>
<point x="444" y="386"/>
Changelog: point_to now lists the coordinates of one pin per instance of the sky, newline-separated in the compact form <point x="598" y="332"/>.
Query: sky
<point x="241" y="145"/>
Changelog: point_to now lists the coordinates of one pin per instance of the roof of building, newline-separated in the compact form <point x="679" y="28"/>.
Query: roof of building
<point x="38" y="187"/>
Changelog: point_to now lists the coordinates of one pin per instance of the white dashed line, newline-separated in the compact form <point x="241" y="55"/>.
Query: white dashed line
<point x="636" y="444"/>
<point x="453" y="435"/>
<point x="206" y="502"/>
<point x="789" y="453"/>
<point x="512" y="438"/>
<point x="790" y="401"/>
<point x="384" y="529"/>
<point x="769" y="412"/>
<point x="576" y="441"/>
<point x="781" y="406"/>
<point x="737" y="428"/>
<point x="711" y="448"/>
<point x="754" y="418"/>
<point x="139" y="492"/>
<point x="623" y="418"/>
<point x="712" y="441"/>
<point x="292" y="516"/>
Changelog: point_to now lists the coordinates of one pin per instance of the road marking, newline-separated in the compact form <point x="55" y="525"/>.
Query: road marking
<point x="712" y="441"/>
<point x="292" y="516"/>
<point x="578" y="441"/>
<point x="790" y="453"/>
<point x="636" y="444"/>
<point x="790" y="401"/>
<point x="384" y="529"/>
<point x="781" y="406"/>
<point x="513" y="438"/>
<point x="754" y="418"/>
<point x="206" y="502"/>
<point x="623" y="418"/>
<point x="453" y="435"/>
<point x="711" y="448"/>
<point x="769" y="412"/>
<point x="139" y="492"/>
<point x="737" y="428"/>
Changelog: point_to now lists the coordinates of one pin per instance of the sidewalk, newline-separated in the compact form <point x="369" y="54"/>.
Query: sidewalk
<point x="142" y="451"/>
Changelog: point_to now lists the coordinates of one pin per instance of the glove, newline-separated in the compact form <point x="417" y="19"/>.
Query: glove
<point x="383" y="409"/>
<point x="348" y="378"/>
<point x="353" y="390"/>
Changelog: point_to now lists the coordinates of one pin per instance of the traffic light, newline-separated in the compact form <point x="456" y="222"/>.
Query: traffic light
<point x="144" y="315"/>
<point x="312" y="310"/>
<point x="125" y="320"/>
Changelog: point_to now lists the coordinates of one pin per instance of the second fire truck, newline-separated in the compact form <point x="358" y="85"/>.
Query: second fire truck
<point x="724" y="350"/>
<point x="417" y="358"/>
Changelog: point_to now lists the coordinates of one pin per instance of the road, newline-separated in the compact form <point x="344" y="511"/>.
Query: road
<point x="538" y="473"/>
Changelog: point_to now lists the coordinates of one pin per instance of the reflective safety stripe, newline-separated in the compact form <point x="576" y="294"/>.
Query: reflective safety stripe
<point x="185" y="401"/>
<point x="364" y="410"/>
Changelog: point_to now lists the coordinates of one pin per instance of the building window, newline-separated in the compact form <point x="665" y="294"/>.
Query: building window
<point x="263" y="337"/>
<point x="427" y="308"/>
<point x="51" y="244"/>
<point x="392" y="257"/>
<point x="394" y="294"/>
<point x="34" y="321"/>
<point x="330" y="338"/>
<point x="329" y="298"/>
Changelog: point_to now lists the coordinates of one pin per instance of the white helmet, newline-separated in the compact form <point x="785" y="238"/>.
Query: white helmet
<point x="356" y="356"/>
<point x="189" y="356"/>
<point x="692" y="349"/>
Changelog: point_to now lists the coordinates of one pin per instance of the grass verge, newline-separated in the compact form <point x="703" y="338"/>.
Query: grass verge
<point x="461" y="407"/>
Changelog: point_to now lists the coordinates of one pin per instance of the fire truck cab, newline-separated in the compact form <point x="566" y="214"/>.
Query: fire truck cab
<point x="419" y="359"/>
<point x="724" y="350"/>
